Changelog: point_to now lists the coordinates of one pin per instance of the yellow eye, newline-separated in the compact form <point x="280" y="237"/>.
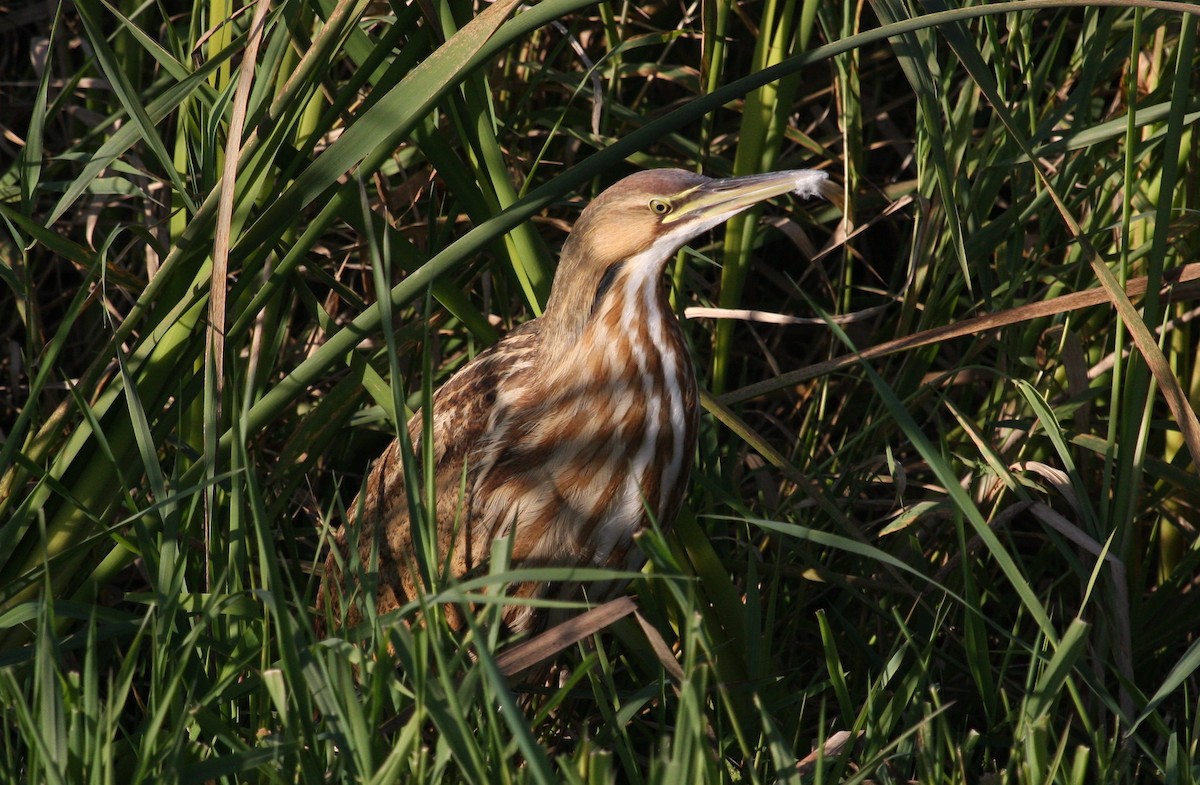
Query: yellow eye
<point x="660" y="207"/>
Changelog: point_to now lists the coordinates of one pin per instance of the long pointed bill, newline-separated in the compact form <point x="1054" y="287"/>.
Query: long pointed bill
<point x="720" y="199"/>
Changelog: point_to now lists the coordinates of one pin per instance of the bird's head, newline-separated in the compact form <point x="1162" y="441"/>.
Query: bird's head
<point x="629" y="232"/>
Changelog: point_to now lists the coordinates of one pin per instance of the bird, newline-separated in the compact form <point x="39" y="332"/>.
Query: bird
<point x="574" y="432"/>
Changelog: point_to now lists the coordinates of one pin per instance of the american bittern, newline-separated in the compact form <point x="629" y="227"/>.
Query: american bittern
<point x="578" y="428"/>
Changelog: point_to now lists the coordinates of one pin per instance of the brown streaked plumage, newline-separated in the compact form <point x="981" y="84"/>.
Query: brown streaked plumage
<point x="576" y="428"/>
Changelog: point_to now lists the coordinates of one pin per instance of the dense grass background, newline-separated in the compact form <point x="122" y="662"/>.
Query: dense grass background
<point x="967" y="555"/>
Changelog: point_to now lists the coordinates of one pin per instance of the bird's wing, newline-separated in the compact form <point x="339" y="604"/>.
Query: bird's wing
<point x="381" y="524"/>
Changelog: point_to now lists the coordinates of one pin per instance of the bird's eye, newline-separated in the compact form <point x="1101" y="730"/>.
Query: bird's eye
<point x="660" y="207"/>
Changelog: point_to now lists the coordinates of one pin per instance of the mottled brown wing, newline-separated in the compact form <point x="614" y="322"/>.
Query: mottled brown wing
<point x="462" y="414"/>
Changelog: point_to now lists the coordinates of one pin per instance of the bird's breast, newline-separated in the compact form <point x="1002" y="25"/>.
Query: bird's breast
<point x="581" y="456"/>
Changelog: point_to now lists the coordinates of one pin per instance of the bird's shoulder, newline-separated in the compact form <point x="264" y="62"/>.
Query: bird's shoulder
<point x="464" y="406"/>
<point x="462" y="409"/>
<point x="472" y="390"/>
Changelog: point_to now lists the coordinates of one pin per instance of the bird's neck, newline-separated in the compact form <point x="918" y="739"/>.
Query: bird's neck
<point x="613" y="298"/>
